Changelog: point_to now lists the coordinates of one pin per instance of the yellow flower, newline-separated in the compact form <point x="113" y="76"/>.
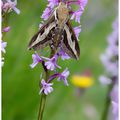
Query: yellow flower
<point x="82" y="81"/>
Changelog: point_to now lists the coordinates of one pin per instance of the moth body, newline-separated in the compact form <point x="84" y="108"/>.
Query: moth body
<point x="62" y="15"/>
<point x="57" y="32"/>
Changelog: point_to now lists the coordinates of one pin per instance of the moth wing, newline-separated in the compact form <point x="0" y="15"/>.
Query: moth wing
<point x="70" y="43"/>
<point x="42" y="37"/>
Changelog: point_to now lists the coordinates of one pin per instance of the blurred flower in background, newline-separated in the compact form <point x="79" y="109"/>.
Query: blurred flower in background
<point x="114" y="99"/>
<point x="110" y="61"/>
<point x="90" y="112"/>
<point x="6" y="7"/>
<point x="83" y="81"/>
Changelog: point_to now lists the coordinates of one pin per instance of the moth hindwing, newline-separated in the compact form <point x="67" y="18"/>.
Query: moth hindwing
<point x="57" y="32"/>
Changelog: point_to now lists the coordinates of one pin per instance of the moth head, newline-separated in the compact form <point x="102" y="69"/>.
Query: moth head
<point x="62" y="12"/>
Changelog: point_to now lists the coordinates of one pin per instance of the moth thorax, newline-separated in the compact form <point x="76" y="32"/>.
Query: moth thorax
<point x="63" y="13"/>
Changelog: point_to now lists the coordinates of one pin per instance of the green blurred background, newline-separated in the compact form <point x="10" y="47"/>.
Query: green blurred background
<point x="20" y="83"/>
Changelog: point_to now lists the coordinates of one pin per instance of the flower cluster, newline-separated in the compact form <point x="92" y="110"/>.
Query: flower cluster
<point x="110" y="62"/>
<point x="51" y="64"/>
<point x="6" y="7"/>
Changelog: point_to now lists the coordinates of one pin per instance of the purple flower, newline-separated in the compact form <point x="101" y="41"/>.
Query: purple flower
<point x="113" y="49"/>
<point x="3" y="46"/>
<point x="115" y="109"/>
<point x="77" y="15"/>
<point x="63" y="55"/>
<point x="114" y="93"/>
<point x="13" y="6"/>
<point x="51" y="63"/>
<point x="63" y="76"/>
<point x="1" y="3"/>
<point x="6" y="29"/>
<point x="115" y="24"/>
<point x="105" y="80"/>
<point x="53" y="3"/>
<point x="46" y="87"/>
<point x="113" y="38"/>
<point x="114" y="97"/>
<point x="6" y="7"/>
<point x="111" y="67"/>
<point x="82" y="3"/>
<point x="36" y="60"/>
<point x="77" y="31"/>
<point x="46" y="14"/>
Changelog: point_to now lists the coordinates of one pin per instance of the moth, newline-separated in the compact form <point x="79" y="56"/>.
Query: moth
<point x="57" y="32"/>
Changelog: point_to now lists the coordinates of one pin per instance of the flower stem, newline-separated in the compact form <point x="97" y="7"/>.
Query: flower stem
<point x="107" y="103"/>
<point x="43" y="96"/>
<point x="43" y="99"/>
<point x="42" y="106"/>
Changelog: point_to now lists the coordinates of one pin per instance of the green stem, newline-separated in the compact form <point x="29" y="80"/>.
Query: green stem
<point x="43" y="96"/>
<point x="5" y="23"/>
<point x="107" y="103"/>
<point x="42" y="106"/>
<point x="43" y="99"/>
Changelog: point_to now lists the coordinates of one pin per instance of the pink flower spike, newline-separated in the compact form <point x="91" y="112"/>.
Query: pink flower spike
<point x="46" y="87"/>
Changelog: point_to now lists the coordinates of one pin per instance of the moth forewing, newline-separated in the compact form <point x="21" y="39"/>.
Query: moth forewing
<point x="41" y="37"/>
<point x="70" y="41"/>
<point x="33" y="42"/>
